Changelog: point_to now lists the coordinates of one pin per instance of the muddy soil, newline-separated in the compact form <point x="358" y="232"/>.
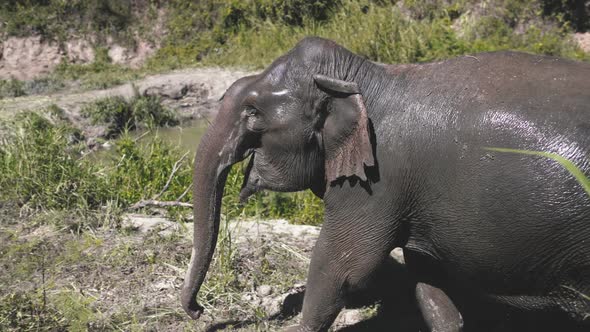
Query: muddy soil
<point x="128" y="276"/>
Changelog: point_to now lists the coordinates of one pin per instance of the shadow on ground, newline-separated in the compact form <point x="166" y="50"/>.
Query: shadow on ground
<point x="393" y="290"/>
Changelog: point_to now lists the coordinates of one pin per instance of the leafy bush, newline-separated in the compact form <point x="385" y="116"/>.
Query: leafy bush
<point x="120" y="115"/>
<point x="43" y="85"/>
<point x="54" y="18"/>
<point x="99" y="74"/>
<point x="575" y="11"/>
<point x="11" y="88"/>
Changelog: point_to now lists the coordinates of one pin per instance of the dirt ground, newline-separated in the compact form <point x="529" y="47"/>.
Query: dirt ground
<point x="59" y="272"/>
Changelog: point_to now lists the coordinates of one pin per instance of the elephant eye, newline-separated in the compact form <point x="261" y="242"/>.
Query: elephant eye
<point x="251" y="111"/>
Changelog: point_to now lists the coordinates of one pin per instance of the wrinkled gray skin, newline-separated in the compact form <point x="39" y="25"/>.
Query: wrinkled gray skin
<point x="398" y="154"/>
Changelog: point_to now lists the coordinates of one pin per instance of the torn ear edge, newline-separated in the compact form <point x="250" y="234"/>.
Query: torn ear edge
<point x="347" y="146"/>
<point x="355" y="151"/>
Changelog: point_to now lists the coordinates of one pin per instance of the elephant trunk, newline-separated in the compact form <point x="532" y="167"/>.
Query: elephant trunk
<point x="212" y="164"/>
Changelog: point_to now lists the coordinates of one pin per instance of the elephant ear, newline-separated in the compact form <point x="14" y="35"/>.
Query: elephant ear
<point x="345" y="132"/>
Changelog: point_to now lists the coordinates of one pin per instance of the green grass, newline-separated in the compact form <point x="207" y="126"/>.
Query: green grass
<point x="43" y="168"/>
<point x="375" y="29"/>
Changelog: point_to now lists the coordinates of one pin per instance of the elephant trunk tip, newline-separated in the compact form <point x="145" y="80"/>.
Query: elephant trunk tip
<point x="191" y="307"/>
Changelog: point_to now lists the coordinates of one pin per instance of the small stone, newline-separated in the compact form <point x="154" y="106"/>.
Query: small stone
<point x="163" y="285"/>
<point x="272" y="306"/>
<point x="348" y="317"/>
<point x="247" y="297"/>
<point x="264" y="290"/>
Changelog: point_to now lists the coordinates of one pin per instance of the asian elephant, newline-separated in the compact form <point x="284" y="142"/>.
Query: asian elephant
<point x="477" y="166"/>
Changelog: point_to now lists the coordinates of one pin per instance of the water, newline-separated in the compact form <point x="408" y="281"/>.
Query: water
<point x="186" y="138"/>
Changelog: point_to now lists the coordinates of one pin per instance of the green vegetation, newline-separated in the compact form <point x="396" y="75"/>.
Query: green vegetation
<point x="111" y="281"/>
<point x="254" y="32"/>
<point x="40" y="167"/>
<point x="43" y="167"/>
<point x="11" y="88"/>
<point x="98" y="75"/>
<point x="56" y="18"/>
<point x="119" y="114"/>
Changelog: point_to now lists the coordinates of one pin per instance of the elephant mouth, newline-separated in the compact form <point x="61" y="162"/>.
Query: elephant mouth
<point x="250" y="186"/>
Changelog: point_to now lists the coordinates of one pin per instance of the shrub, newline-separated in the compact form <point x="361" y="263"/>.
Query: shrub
<point x="96" y="75"/>
<point x="385" y="33"/>
<point x="120" y="115"/>
<point x="55" y="18"/>
<point x="11" y="88"/>
<point x="39" y="167"/>
<point x="575" y="11"/>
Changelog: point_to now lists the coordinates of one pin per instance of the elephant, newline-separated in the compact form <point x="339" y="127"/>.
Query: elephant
<point x="477" y="166"/>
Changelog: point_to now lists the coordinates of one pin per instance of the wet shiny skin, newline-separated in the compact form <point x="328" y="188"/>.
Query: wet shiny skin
<point x="478" y="225"/>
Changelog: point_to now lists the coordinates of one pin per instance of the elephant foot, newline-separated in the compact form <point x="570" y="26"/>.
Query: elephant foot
<point x="296" y="328"/>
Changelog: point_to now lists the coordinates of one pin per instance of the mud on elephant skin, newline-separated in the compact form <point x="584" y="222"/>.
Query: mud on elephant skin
<point x="477" y="166"/>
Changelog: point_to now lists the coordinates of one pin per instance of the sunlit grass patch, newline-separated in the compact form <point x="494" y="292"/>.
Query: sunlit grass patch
<point x="43" y="168"/>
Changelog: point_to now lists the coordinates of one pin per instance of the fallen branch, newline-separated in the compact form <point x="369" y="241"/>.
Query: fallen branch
<point x="153" y="202"/>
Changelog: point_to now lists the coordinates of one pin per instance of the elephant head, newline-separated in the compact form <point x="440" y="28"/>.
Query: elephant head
<point x="304" y="123"/>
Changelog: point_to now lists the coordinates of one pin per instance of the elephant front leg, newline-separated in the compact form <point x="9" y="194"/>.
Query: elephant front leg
<point x="343" y="263"/>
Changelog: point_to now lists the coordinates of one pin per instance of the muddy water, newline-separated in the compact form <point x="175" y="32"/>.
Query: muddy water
<point x="185" y="138"/>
